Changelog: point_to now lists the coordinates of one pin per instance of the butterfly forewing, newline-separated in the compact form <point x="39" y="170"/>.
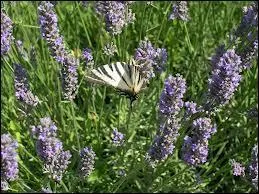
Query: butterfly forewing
<point x="123" y="77"/>
<point x="107" y="74"/>
<point x="124" y="72"/>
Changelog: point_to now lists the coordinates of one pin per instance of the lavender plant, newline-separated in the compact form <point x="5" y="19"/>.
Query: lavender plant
<point x="228" y="65"/>
<point x="22" y="89"/>
<point x="180" y="11"/>
<point x="117" y="137"/>
<point x="117" y="15"/>
<point x="169" y="108"/>
<point x="9" y="160"/>
<point x="6" y="33"/>
<point x="247" y="34"/>
<point x="224" y="79"/>
<point x="238" y="169"/>
<point x="195" y="146"/>
<point x="49" y="29"/>
<point x="50" y="149"/>
<point x="191" y="108"/>
<point x="87" y="56"/>
<point x="151" y="60"/>
<point x="87" y="161"/>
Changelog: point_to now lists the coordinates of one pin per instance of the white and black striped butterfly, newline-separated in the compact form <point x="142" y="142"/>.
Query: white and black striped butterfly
<point x="126" y="78"/>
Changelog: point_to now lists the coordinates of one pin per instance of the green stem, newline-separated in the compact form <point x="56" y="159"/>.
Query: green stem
<point x="64" y="186"/>
<point x="74" y="123"/>
<point x="8" y="64"/>
<point x="21" y="164"/>
<point x="101" y="115"/>
<point x="188" y="38"/>
<point x="129" y="116"/>
<point x="163" y="21"/>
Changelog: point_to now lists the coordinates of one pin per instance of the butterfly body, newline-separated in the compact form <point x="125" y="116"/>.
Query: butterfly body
<point x="124" y="77"/>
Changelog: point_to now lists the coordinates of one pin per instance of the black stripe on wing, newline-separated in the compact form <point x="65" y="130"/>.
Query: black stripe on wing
<point x="105" y="72"/>
<point x="122" y="75"/>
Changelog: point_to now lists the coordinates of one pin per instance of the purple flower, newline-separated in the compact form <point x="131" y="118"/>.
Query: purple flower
<point x="87" y="55"/>
<point x="249" y="19"/>
<point x="253" y="167"/>
<point x="117" y="137"/>
<point x="58" y="165"/>
<point x="163" y="144"/>
<point x="117" y="15"/>
<point x="194" y="151"/>
<point x="171" y="98"/>
<point x="238" y="169"/>
<point x="87" y="161"/>
<point x="225" y="78"/>
<point x="248" y="52"/>
<point x="195" y="146"/>
<point x="50" y="32"/>
<point x="9" y="160"/>
<point x="215" y="59"/>
<point x="69" y="77"/>
<point x="170" y="105"/>
<point x="150" y="59"/>
<point x="247" y="32"/>
<point x="6" y="33"/>
<point x="180" y="11"/>
<point x="50" y="149"/>
<point x="191" y="108"/>
<point x="22" y="89"/>
<point x="203" y="128"/>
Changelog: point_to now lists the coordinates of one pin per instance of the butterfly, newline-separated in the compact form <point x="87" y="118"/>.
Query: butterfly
<point x="124" y="77"/>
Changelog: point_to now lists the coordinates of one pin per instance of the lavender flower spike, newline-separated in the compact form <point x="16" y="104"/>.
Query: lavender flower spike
<point x="225" y="78"/>
<point x="151" y="60"/>
<point x="170" y="105"/>
<point x="87" y="55"/>
<point x="50" y="32"/>
<point x="253" y="167"/>
<point x="50" y="149"/>
<point x="171" y="98"/>
<point x="117" y="15"/>
<point x="87" y="161"/>
<point x="180" y="11"/>
<point x="238" y="169"/>
<point x="117" y="137"/>
<point x="195" y="146"/>
<point x="163" y="144"/>
<point x="249" y="20"/>
<point x="22" y="90"/>
<point x="6" y="33"/>
<point x="9" y="160"/>
<point x="247" y="31"/>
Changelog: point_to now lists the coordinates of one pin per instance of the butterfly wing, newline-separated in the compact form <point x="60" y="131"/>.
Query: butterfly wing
<point x="121" y="76"/>
<point x="112" y="75"/>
